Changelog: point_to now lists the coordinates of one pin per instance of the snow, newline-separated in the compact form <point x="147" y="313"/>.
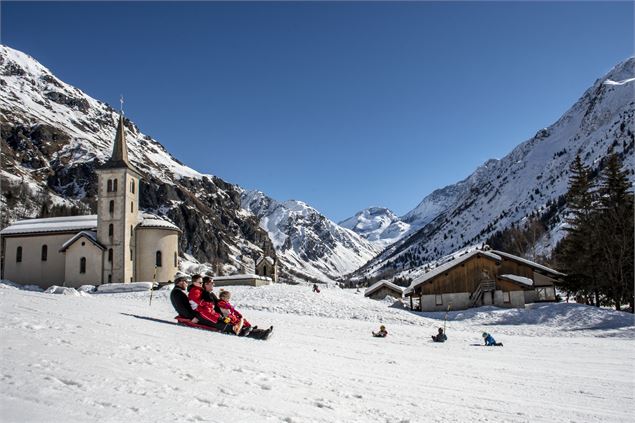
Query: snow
<point x="52" y="224"/>
<point x="90" y="359"/>
<point x="520" y="279"/>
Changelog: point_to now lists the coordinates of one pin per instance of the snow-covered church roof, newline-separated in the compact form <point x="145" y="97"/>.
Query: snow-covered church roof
<point x="153" y="221"/>
<point x="52" y="224"/>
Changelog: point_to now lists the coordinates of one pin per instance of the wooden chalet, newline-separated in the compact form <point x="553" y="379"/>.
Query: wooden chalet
<point x="382" y="289"/>
<point x="483" y="277"/>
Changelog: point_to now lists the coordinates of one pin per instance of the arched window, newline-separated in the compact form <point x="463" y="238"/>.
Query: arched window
<point x="110" y="255"/>
<point x="111" y="229"/>
<point x="111" y="206"/>
<point x="18" y="255"/>
<point x="114" y="185"/>
<point x="82" y="265"/>
<point x="158" y="259"/>
<point x="45" y="250"/>
<point x="132" y="186"/>
<point x="109" y="185"/>
<point x="131" y="207"/>
<point x="175" y="260"/>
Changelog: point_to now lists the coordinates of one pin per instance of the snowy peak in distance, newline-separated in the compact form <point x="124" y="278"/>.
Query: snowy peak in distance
<point x="307" y="242"/>
<point x="378" y="225"/>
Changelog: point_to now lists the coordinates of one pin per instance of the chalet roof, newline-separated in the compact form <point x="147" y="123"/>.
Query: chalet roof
<point x="149" y="220"/>
<point x="52" y="225"/>
<point x="447" y="266"/>
<point x="520" y="280"/>
<point x="89" y="235"/>
<point x="528" y="263"/>
<point x="381" y="284"/>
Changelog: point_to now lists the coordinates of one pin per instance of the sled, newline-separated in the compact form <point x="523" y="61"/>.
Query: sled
<point x="187" y="322"/>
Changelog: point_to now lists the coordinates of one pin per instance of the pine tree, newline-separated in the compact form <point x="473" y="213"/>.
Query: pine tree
<point x="575" y="252"/>
<point x="615" y="233"/>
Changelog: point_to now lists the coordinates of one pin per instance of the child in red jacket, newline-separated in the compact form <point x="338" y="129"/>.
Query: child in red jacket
<point x="229" y="312"/>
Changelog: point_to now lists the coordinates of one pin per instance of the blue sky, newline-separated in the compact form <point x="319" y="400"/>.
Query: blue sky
<point x="340" y="105"/>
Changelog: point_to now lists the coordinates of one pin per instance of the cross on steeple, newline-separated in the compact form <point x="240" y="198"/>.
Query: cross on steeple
<point x="121" y="101"/>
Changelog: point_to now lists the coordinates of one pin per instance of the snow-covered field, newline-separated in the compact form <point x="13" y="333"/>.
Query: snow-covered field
<point x="86" y="358"/>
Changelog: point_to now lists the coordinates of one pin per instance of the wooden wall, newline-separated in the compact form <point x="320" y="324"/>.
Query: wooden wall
<point x="466" y="276"/>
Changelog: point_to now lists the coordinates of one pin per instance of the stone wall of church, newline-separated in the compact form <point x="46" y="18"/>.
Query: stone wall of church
<point x="32" y="269"/>
<point x="90" y="273"/>
<point x="151" y="241"/>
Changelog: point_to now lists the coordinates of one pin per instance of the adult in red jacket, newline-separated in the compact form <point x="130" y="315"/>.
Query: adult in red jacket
<point x="203" y="309"/>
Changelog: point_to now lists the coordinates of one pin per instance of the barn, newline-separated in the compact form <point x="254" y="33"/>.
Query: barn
<point x="483" y="277"/>
<point x="382" y="289"/>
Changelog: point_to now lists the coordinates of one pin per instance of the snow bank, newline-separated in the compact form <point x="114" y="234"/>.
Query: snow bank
<point x="124" y="287"/>
<point x="64" y="290"/>
<point x="5" y="283"/>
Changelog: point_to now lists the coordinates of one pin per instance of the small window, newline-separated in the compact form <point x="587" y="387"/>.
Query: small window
<point x="132" y="186"/>
<point x="111" y="229"/>
<point x="158" y="259"/>
<point x="82" y="265"/>
<point x="175" y="260"/>
<point x="110" y="255"/>
<point x="18" y="255"/>
<point x="109" y="185"/>
<point x="131" y="254"/>
<point x="114" y="185"/>
<point x="131" y="207"/>
<point x="109" y="278"/>
<point x="45" y="250"/>
<point x="506" y="298"/>
<point x="111" y="206"/>
<point x="438" y="299"/>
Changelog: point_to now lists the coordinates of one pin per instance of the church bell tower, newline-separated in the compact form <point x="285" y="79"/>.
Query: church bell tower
<point x="118" y="211"/>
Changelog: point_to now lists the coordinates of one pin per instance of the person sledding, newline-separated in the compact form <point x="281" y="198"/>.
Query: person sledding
<point x="316" y="289"/>
<point x="194" y="311"/>
<point x="490" y="341"/>
<point x="381" y="333"/>
<point x="440" y="336"/>
<point x="236" y="319"/>
<point x="179" y="299"/>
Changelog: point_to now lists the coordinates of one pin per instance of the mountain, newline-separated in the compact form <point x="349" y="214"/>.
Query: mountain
<point x="308" y="244"/>
<point x="378" y="225"/>
<point x="528" y="182"/>
<point x="53" y="136"/>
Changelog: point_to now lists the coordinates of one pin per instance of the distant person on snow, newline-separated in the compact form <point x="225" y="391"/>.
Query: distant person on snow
<point x="490" y="341"/>
<point x="315" y="288"/>
<point x="228" y="311"/>
<point x="381" y="333"/>
<point x="440" y="337"/>
<point x="179" y="299"/>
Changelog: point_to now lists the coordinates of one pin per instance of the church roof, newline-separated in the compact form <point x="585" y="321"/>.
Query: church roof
<point x="52" y="225"/>
<point x="89" y="235"/>
<point x="119" y="158"/>
<point x="149" y="220"/>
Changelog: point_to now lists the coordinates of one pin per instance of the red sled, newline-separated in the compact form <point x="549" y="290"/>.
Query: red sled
<point x="187" y="322"/>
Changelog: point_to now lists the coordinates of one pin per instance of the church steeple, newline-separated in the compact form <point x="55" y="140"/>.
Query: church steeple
<point x="119" y="156"/>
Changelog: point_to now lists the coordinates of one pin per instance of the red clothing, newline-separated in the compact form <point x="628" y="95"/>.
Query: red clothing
<point x="234" y="315"/>
<point x="203" y="308"/>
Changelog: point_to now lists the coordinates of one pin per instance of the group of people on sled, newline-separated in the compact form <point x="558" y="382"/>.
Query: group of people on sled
<point x="196" y="302"/>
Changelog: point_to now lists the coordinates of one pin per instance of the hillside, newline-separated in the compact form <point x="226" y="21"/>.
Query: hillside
<point x="530" y="180"/>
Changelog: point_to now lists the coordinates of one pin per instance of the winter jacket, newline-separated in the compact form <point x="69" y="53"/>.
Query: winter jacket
<point x="489" y="340"/>
<point x="380" y="334"/>
<point x="181" y="304"/>
<point x="210" y="297"/>
<point x="440" y="337"/>
<point x="201" y="307"/>
<point x="227" y="310"/>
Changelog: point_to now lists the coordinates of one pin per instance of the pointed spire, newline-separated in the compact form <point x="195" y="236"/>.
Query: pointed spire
<point x="120" y="149"/>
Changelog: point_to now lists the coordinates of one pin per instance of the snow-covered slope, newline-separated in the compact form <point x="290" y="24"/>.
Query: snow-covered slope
<point x="53" y="135"/>
<point x="88" y="358"/>
<point x="531" y="179"/>
<point x="307" y="242"/>
<point x="378" y="225"/>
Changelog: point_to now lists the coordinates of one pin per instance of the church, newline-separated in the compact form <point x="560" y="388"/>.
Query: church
<point x="119" y="244"/>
